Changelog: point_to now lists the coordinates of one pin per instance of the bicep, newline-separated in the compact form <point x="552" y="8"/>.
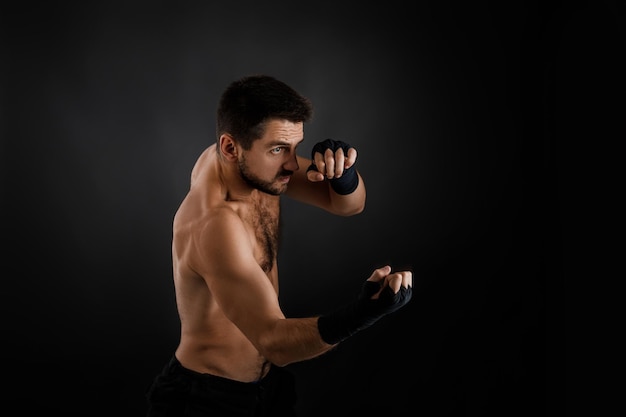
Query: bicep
<point x="236" y="281"/>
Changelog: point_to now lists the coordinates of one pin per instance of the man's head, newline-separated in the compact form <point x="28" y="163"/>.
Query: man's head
<point x="259" y="126"/>
<point x="249" y="103"/>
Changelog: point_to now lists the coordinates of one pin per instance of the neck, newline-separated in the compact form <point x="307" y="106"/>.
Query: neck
<point x="236" y="189"/>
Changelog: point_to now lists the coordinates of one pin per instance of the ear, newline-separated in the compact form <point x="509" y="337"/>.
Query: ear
<point x="228" y="147"/>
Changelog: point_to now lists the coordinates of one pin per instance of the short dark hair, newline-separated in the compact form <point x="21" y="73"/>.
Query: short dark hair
<point x="249" y="102"/>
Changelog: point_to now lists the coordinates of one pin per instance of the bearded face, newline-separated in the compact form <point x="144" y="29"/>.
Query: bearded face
<point x="271" y="186"/>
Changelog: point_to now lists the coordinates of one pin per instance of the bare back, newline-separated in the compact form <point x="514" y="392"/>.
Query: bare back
<point x="223" y="246"/>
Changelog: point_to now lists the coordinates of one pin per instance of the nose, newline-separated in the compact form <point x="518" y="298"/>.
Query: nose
<point x="292" y="164"/>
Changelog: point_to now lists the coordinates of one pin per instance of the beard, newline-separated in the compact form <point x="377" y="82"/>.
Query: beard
<point x="268" y="187"/>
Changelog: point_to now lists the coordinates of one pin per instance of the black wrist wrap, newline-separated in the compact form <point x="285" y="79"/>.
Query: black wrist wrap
<point x="349" y="179"/>
<point x="361" y="313"/>
<point x="347" y="183"/>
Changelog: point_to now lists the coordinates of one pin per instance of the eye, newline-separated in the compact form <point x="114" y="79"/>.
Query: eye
<point x="276" y="150"/>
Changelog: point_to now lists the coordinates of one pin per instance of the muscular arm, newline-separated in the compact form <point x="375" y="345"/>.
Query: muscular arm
<point x="321" y="194"/>
<point x="224" y="257"/>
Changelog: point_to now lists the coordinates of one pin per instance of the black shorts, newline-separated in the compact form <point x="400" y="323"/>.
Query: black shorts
<point x="178" y="391"/>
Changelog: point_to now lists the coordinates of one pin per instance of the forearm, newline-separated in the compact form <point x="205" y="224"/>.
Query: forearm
<point x="283" y="341"/>
<point x="293" y="340"/>
<point x="348" y="204"/>
<point x="333" y="162"/>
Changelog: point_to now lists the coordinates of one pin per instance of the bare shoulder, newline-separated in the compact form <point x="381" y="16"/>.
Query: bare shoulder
<point x="215" y="225"/>
<point x="220" y="225"/>
<point x="205" y="159"/>
<point x="214" y="240"/>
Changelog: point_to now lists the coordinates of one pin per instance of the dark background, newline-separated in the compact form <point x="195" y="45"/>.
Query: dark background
<point x="461" y="113"/>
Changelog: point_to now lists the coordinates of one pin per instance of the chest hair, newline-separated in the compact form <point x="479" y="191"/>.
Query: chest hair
<point x="265" y="222"/>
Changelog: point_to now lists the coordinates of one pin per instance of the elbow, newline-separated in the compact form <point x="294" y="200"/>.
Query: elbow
<point x="270" y="347"/>
<point x="279" y="360"/>
<point x="358" y="209"/>
<point x="350" y="211"/>
<point x="275" y="355"/>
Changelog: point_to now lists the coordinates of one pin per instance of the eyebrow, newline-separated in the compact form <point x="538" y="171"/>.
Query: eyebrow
<point x="283" y="143"/>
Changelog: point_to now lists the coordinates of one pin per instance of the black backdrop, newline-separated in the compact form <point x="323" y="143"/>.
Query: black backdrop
<point x="456" y="110"/>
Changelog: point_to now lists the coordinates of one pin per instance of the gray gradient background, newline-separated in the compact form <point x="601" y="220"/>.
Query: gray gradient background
<point x="455" y="113"/>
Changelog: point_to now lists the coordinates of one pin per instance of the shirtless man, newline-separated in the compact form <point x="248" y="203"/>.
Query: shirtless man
<point x="235" y="340"/>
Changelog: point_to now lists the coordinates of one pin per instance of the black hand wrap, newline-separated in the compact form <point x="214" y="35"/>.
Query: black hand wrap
<point x="361" y="313"/>
<point x="349" y="179"/>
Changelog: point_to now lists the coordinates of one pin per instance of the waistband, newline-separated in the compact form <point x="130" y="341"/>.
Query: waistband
<point x="174" y="366"/>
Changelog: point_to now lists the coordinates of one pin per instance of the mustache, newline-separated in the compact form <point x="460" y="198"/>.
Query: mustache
<point x="285" y="173"/>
